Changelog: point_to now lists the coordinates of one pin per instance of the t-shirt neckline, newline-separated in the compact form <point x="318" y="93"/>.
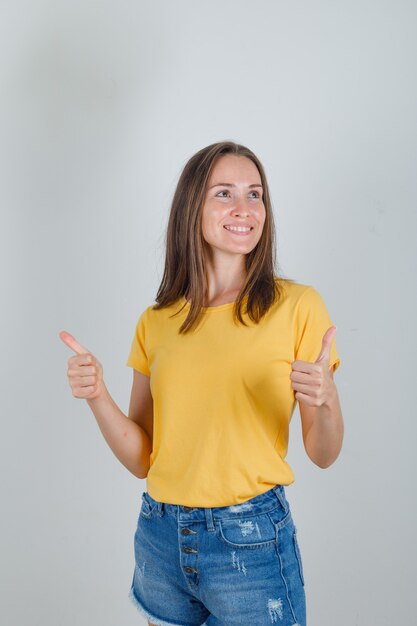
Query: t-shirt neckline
<point x="218" y="307"/>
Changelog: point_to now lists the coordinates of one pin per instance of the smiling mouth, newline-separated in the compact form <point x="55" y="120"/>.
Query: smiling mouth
<point x="240" y="233"/>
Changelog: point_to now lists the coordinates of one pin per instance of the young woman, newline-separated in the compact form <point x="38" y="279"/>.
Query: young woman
<point x="219" y="363"/>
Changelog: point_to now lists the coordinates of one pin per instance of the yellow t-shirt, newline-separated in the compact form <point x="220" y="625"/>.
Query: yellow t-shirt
<point x="222" y="395"/>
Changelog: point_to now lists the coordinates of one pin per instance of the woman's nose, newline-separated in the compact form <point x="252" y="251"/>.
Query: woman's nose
<point x="240" y="206"/>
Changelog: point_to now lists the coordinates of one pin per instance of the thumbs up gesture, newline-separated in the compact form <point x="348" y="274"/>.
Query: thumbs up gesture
<point x="85" y="373"/>
<point x="313" y="382"/>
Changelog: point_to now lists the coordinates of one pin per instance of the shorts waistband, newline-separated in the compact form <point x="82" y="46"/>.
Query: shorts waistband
<point x="261" y="503"/>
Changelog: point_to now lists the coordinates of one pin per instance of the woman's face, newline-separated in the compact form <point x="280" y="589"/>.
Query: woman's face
<point x="233" y="198"/>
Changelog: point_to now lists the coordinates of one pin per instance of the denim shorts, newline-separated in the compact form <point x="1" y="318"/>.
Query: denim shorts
<point x="237" y="565"/>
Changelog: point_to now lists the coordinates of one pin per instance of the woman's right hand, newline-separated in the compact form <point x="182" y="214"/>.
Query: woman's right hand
<point x="85" y="373"/>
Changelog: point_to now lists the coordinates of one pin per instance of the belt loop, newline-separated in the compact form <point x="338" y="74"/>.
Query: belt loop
<point x="279" y="492"/>
<point x="161" y="508"/>
<point x="209" y="519"/>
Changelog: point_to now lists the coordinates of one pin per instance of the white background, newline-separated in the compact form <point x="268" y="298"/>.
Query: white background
<point x="101" y="105"/>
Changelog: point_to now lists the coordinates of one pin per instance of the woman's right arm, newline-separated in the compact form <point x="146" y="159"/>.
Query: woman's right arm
<point x="128" y="439"/>
<point x="125" y="435"/>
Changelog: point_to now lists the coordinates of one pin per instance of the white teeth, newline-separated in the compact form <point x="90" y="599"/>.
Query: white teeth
<point x="242" y="229"/>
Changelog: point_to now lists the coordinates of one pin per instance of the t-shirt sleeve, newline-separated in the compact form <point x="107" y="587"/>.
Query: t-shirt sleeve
<point x="312" y="321"/>
<point x="138" y="358"/>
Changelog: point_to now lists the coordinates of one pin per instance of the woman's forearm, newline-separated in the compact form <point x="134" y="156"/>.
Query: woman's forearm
<point x="128" y="440"/>
<point x="325" y="437"/>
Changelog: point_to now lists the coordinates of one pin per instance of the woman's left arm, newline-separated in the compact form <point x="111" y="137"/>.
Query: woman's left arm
<point x="321" y="414"/>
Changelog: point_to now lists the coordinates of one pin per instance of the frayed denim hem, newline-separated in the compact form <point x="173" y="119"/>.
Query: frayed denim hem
<point x="151" y="618"/>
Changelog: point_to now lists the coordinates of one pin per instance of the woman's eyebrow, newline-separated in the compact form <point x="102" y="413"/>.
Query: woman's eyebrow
<point x="232" y="185"/>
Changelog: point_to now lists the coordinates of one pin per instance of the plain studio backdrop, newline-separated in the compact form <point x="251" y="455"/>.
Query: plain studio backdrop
<point x="102" y="103"/>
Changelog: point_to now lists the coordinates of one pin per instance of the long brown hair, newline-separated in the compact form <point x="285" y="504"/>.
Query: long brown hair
<point x="184" y="273"/>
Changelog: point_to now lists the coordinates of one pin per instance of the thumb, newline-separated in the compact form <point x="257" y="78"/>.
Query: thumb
<point x="328" y="337"/>
<point x="72" y="343"/>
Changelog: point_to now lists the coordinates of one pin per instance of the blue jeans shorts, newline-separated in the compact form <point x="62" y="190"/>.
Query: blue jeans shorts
<point x="237" y="565"/>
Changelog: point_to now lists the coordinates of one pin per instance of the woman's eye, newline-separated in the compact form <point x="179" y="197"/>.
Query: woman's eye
<point x="226" y="191"/>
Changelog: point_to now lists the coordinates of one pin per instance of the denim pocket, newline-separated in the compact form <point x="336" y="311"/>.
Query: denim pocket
<point x="149" y="505"/>
<point x="298" y="554"/>
<point x="254" y="531"/>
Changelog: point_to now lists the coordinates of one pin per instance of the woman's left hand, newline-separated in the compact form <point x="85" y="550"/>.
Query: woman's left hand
<point x="313" y="382"/>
